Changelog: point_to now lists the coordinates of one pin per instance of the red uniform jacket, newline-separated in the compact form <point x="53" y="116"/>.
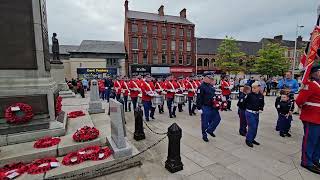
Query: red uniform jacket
<point x="309" y="101"/>
<point x="191" y="87"/>
<point x="101" y="85"/>
<point x="134" y="85"/>
<point x="146" y="87"/>
<point x="159" y="87"/>
<point x="224" y="88"/>
<point x="125" y="88"/>
<point x="117" y="86"/>
<point x="170" y="86"/>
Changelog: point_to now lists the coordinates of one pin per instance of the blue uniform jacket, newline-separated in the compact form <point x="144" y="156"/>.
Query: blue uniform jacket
<point x="205" y="94"/>
<point x="289" y="83"/>
<point x="240" y="103"/>
<point x="254" y="102"/>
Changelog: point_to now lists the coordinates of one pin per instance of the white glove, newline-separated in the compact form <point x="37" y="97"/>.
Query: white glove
<point x="200" y="111"/>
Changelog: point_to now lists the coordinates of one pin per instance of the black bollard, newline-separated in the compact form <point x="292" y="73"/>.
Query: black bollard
<point x="173" y="163"/>
<point x="138" y="125"/>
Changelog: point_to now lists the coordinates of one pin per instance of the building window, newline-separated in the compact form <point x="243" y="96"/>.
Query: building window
<point x="155" y="59"/>
<point x="135" y="44"/>
<point x="134" y="28"/>
<point x="154" y="30"/>
<point x="213" y="62"/>
<point x="154" y="44"/>
<point x="199" y="62"/>
<point x="164" y="44"/>
<point x="180" y="59"/>
<point x="188" y="46"/>
<point x="189" y="33"/>
<point x="181" y="32"/>
<point x="173" y="58"/>
<point x="144" y="29"/>
<point x="173" y="31"/>
<point x="173" y="45"/>
<point x="206" y="62"/>
<point x="164" y="31"/>
<point x="188" y="60"/>
<point x="164" y="59"/>
<point x="112" y="62"/>
<point x="135" y="58"/>
<point x="144" y="43"/>
<point x="181" y="46"/>
<point x="145" y="58"/>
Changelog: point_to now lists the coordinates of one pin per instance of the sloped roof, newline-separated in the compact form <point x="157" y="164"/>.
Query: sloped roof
<point x="65" y="49"/>
<point x="286" y="43"/>
<point x="108" y="47"/>
<point x="210" y="46"/>
<point x="157" y="17"/>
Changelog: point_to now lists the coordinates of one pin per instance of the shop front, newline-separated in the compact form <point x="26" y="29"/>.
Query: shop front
<point x="96" y="73"/>
<point x="160" y="71"/>
<point x="140" y="70"/>
<point x="178" y="71"/>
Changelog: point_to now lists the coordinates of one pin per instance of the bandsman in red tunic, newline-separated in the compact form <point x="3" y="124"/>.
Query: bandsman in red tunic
<point x="159" y="86"/>
<point x="309" y="102"/>
<point x="171" y="88"/>
<point x="191" y="87"/>
<point x="148" y="91"/>
<point x="180" y="90"/>
<point x="226" y="90"/>
<point x="135" y="89"/>
<point x="125" y="91"/>
<point x="117" y="87"/>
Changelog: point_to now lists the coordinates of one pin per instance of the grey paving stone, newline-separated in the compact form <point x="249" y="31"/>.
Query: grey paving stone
<point x="199" y="159"/>
<point x="221" y="172"/>
<point x="203" y="175"/>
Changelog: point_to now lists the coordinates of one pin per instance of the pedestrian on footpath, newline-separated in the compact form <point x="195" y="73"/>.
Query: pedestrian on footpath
<point x="309" y="102"/>
<point x="210" y="117"/>
<point x="244" y="91"/>
<point x="254" y="104"/>
<point x="285" y="107"/>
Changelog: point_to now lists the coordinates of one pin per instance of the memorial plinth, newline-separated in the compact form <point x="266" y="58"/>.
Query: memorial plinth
<point x="25" y="71"/>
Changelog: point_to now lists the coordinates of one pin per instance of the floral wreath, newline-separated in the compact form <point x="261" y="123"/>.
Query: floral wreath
<point x="75" y="114"/>
<point x="11" y="171"/>
<point x="42" y="165"/>
<point x="13" y="118"/>
<point x="46" y="142"/>
<point x="58" y="105"/>
<point x="219" y="104"/>
<point x="85" y="134"/>
<point x="94" y="153"/>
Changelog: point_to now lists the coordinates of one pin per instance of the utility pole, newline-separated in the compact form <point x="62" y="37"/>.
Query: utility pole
<point x="295" y="49"/>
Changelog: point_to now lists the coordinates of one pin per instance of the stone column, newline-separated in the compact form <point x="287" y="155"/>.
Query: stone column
<point x="57" y="73"/>
<point x="95" y="104"/>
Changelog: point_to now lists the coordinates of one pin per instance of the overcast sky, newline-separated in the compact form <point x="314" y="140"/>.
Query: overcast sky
<point x="248" y="20"/>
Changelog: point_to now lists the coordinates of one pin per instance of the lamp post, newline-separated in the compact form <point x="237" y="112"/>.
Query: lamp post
<point x="196" y="56"/>
<point x="295" y="49"/>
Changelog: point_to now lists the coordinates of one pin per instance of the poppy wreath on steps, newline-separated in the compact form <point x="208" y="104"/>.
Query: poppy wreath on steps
<point x="89" y="153"/>
<point x="11" y="171"/>
<point x="72" y="159"/>
<point x="46" y="142"/>
<point x="42" y="165"/>
<point x="104" y="153"/>
<point x="24" y="116"/>
<point x="75" y="114"/>
<point x="85" y="134"/>
<point x="58" y="105"/>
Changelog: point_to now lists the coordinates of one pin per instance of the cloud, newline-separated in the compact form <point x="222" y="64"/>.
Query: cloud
<point x="76" y="20"/>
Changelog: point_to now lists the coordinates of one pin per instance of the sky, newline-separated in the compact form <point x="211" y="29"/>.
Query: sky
<point x="247" y="20"/>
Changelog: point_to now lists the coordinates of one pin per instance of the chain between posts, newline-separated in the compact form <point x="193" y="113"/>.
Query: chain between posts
<point x="153" y="130"/>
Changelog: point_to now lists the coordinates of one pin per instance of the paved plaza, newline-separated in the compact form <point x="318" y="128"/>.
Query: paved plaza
<point x="225" y="156"/>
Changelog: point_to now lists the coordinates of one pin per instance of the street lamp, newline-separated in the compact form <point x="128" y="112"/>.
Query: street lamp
<point x="295" y="49"/>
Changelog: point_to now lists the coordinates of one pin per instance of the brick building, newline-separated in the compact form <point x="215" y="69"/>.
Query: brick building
<point x="159" y="44"/>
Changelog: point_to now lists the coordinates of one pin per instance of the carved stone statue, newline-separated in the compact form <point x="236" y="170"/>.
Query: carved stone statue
<point x="55" y="50"/>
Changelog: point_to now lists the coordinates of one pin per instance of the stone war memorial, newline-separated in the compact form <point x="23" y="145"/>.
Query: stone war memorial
<point x="40" y="137"/>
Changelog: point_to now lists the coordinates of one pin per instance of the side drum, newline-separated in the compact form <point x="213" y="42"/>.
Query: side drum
<point x="139" y="99"/>
<point x="157" y="100"/>
<point x="179" y="98"/>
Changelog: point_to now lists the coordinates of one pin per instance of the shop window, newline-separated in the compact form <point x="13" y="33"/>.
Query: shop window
<point x="134" y="28"/>
<point x="173" y="45"/>
<point x="164" y="59"/>
<point x="180" y="59"/>
<point x="188" y="46"/>
<point x="134" y="42"/>
<point x="173" y="58"/>
<point x="135" y="58"/>
<point x="144" y="43"/>
<point x="164" y="44"/>
<point x="155" y="59"/>
<point x="154" y="44"/>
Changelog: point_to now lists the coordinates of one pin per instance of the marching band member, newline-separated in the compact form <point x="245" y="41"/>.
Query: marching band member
<point x="242" y="109"/>
<point x="309" y="102"/>
<point x="191" y="88"/>
<point x="226" y="90"/>
<point x="148" y="91"/>
<point x="170" y="87"/>
<point x="125" y="91"/>
<point x="117" y="87"/>
<point x="134" y="86"/>
<point x="180" y="90"/>
<point x="285" y="107"/>
<point x="159" y="89"/>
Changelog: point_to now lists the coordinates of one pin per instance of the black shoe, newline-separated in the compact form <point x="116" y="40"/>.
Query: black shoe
<point x="194" y="114"/>
<point x="190" y="114"/>
<point x="288" y="134"/>
<point x="152" y="117"/>
<point x="249" y="144"/>
<point x="174" y="115"/>
<point x="282" y="134"/>
<point x="312" y="168"/>
<point x="211" y="134"/>
<point x="255" y="142"/>
<point x="147" y="120"/>
<point x="170" y="116"/>
<point x="243" y="134"/>
<point x="205" y="139"/>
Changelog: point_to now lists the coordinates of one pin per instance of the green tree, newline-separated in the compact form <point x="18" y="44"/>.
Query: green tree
<point x="271" y="60"/>
<point x="230" y="59"/>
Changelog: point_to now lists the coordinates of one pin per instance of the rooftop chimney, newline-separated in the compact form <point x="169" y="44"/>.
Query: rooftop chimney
<point x="279" y="37"/>
<point x="126" y="5"/>
<point x="160" y="10"/>
<point x="299" y="39"/>
<point x="183" y="13"/>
